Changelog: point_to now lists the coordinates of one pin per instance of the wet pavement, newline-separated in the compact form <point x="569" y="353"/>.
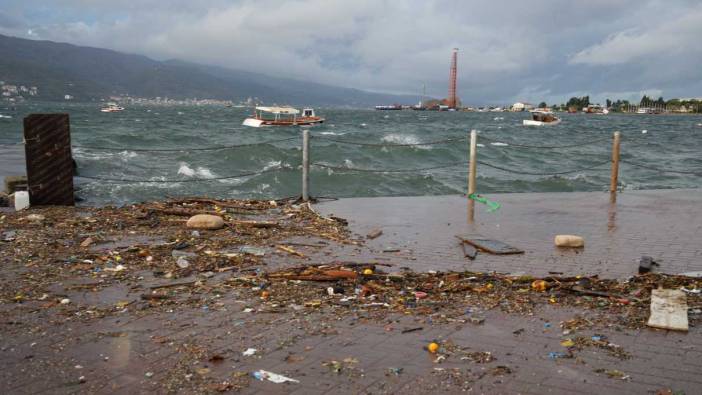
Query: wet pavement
<point x="664" y="224"/>
<point x="107" y="341"/>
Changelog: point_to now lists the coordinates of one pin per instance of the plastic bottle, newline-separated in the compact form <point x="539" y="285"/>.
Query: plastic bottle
<point x="21" y="200"/>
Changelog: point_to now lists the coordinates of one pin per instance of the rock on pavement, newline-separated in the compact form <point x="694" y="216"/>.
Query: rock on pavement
<point x="205" y="221"/>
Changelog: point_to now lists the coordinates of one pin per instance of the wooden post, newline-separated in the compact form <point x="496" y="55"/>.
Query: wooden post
<point x="305" y="165"/>
<point x="615" y="164"/>
<point x="471" y="173"/>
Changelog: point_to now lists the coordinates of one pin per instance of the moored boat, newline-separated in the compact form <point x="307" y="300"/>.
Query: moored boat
<point x="389" y="108"/>
<point x="595" y="109"/>
<point x="542" y="117"/>
<point x="282" y="116"/>
<point x="111" y="107"/>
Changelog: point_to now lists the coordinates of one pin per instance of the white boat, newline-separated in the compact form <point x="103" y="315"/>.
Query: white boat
<point x="595" y="109"/>
<point x="282" y="116"/>
<point x="111" y="107"/>
<point x="542" y="117"/>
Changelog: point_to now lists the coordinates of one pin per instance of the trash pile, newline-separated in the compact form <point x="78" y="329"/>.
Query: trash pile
<point x="163" y="251"/>
<point x="95" y="248"/>
<point x="456" y="296"/>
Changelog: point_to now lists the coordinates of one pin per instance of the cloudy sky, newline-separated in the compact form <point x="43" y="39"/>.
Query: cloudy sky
<point x="509" y="50"/>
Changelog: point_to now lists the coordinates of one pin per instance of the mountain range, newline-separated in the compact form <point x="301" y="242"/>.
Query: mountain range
<point x="87" y="73"/>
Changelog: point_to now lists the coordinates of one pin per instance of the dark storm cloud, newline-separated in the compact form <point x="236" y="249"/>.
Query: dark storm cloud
<point x="509" y="51"/>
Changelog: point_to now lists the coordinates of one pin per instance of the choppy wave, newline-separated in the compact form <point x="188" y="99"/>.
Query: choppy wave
<point x="395" y="138"/>
<point x="670" y="140"/>
<point x="202" y="172"/>
<point x="273" y="164"/>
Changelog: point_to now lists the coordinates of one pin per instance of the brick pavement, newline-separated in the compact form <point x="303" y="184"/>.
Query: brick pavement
<point x="521" y="344"/>
<point x="45" y="351"/>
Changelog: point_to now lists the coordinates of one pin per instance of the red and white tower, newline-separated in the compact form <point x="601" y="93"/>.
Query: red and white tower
<point x="452" y="80"/>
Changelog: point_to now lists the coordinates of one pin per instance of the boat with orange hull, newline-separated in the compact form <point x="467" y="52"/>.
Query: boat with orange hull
<point x="282" y="116"/>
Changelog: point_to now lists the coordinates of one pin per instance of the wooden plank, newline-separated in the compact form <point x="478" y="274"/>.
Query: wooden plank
<point x="668" y="310"/>
<point x="491" y="246"/>
<point x="468" y="250"/>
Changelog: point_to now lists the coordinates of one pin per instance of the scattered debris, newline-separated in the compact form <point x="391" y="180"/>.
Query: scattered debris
<point x="374" y="234"/>
<point x="272" y="377"/>
<point x="249" y="352"/>
<point x="251" y="250"/>
<point x="290" y="251"/>
<point x="433" y="347"/>
<point x="469" y="251"/>
<point x="87" y="242"/>
<point x="492" y="206"/>
<point x="668" y="310"/>
<point x="558" y="354"/>
<point x="646" y="264"/>
<point x="495" y="247"/>
<point x="614" y="374"/>
<point x="395" y="371"/>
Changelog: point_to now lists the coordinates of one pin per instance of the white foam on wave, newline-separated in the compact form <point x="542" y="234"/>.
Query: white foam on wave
<point x="5" y="116"/>
<point x="395" y="138"/>
<point x="331" y="134"/>
<point x="205" y="172"/>
<point x="186" y="170"/>
<point x="126" y="155"/>
<point x="97" y="156"/>
<point x="577" y="177"/>
<point x="272" y="164"/>
<point x="644" y="131"/>
<point x="201" y="172"/>
<point x="498" y="144"/>
<point x="480" y="145"/>
<point x="348" y="163"/>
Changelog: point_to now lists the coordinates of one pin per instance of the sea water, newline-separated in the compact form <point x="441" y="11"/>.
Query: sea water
<point x="671" y="142"/>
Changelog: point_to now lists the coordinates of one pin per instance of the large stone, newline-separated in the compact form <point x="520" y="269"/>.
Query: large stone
<point x="205" y="221"/>
<point x="571" y="241"/>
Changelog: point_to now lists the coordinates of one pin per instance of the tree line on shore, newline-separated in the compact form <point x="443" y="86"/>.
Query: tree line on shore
<point x="673" y="105"/>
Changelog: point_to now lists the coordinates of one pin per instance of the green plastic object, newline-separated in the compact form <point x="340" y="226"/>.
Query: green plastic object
<point x="492" y="206"/>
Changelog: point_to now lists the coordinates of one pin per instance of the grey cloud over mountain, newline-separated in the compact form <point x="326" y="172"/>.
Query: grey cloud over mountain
<point x="543" y="49"/>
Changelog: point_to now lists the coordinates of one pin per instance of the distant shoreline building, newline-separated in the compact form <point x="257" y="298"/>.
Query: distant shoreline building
<point x="519" y="106"/>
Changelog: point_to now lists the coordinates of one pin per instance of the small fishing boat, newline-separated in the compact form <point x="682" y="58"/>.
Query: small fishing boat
<point x="111" y="107"/>
<point x="542" y="117"/>
<point x="282" y="116"/>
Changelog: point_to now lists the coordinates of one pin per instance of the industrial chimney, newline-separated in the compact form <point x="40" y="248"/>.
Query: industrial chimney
<point x="452" y="80"/>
